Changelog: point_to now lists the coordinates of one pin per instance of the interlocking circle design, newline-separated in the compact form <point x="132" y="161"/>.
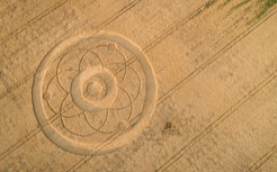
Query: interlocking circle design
<point x="94" y="93"/>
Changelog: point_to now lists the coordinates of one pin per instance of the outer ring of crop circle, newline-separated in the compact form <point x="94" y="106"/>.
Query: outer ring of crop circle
<point x="122" y="138"/>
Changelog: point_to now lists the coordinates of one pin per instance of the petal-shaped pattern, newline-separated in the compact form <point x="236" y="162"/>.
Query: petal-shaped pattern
<point x="97" y="119"/>
<point x="122" y="101"/>
<point x="77" y="125"/>
<point x="69" y="109"/>
<point x="109" y="54"/>
<point x="131" y="83"/>
<point x="118" y="70"/>
<point x="89" y="59"/>
<point x="68" y="68"/>
<point x="117" y="120"/>
<point x="54" y="95"/>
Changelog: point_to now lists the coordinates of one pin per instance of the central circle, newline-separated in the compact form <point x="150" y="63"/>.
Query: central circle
<point x="96" y="89"/>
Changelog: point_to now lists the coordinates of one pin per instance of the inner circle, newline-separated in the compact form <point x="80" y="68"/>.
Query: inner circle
<point x="94" y="89"/>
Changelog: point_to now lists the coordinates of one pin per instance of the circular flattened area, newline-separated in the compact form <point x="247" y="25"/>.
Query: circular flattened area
<point x="88" y="98"/>
<point x="94" y="89"/>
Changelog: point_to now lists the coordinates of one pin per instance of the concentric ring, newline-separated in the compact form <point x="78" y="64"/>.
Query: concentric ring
<point x="120" y="138"/>
<point x="77" y="90"/>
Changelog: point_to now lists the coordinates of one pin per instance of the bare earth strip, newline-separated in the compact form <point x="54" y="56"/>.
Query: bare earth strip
<point x="265" y="161"/>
